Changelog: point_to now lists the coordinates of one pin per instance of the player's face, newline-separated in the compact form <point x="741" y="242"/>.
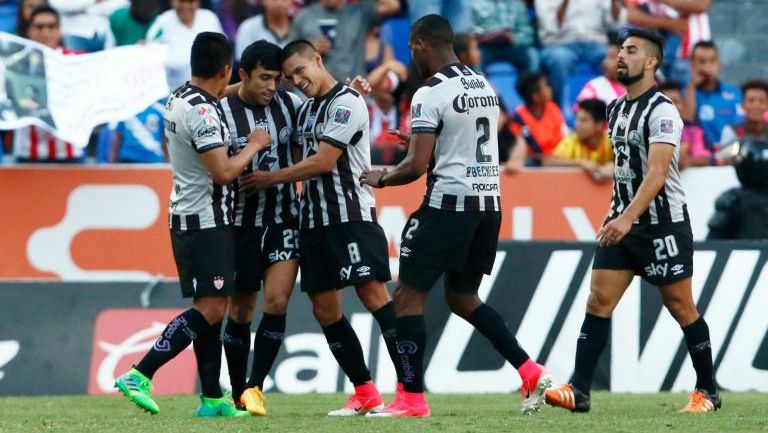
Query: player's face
<point x="419" y="55"/>
<point x="632" y="62"/>
<point x="609" y="62"/>
<point x="304" y="72"/>
<point x="545" y="91"/>
<point x="755" y="104"/>
<point x="185" y="9"/>
<point x="585" y="125"/>
<point x="260" y="85"/>
<point x="45" y="30"/>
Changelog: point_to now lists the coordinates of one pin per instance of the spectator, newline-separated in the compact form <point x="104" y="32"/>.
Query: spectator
<point x="505" y="33"/>
<point x="467" y="50"/>
<point x="709" y="101"/>
<point x="694" y="151"/>
<point x="130" y="24"/>
<point x="85" y="23"/>
<point x="233" y="13"/>
<point x="273" y="25"/>
<point x="177" y="29"/>
<point x="538" y="123"/>
<point x="754" y="95"/>
<point x="575" y="31"/>
<point x="24" y="13"/>
<point x="32" y="143"/>
<point x="607" y="86"/>
<point x="342" y="47"/>
<point x="140" y="138"/>
<point x="589" y="146"/>
<point x="457" y="12"/>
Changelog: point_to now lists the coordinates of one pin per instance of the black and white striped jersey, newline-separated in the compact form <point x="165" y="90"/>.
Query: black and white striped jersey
<point x="461" y="108"/>
<point x="339" y="118"/>
<point x="278" y="204"/>
<point x="194" y="125"/>
<point x="632" y="127"/>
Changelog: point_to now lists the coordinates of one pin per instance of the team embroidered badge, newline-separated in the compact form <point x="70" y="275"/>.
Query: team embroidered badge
<point x="342" y="115"/>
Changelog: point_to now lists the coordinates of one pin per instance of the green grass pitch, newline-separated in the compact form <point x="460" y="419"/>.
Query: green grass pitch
<point x="654" y="413"/>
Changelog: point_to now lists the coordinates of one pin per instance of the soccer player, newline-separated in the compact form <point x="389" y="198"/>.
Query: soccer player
<point x="455" y="232"/>
<point x="647" y="231"/>
<point x="340" y="243"/>
<point x="200" y="212"/>
<point x="266" y="224"/>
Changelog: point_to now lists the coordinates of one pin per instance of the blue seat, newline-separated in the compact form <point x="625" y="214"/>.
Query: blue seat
<point x="395" y="31"/>
<point x="571" y="90"/>
<point x="500" y="67"/>
<point x="504" y="84"/>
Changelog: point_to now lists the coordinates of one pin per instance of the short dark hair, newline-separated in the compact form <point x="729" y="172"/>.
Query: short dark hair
<point x="434" y="29"/>
<point x="528" y="85"/>
<point x="671" y="85"/>
<point x="703" y="44"/>
<point x="652" y="36"/>
<point x="461" y="43"/>
<point x="300" y="46"/>
<point x="595" y="107"/>
<point x="754" y="84"/>
<point x="261" y="53"/>
<point x="211" y="51"/>
<point x="40" y="10"/>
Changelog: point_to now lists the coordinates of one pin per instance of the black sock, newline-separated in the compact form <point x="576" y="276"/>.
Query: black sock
<point x="179" y="334"/>
<point x="486" y="320"/>
<point x="266" y="344"/>
<point x="700" y="349"/>
<point x="411" y="342"/>
<point x="591" y="342"/>
<point x="208" y="353"/>
<point x="346" y="348"/>
<point x="237" y="344"/>
<point x="386" y="318"/>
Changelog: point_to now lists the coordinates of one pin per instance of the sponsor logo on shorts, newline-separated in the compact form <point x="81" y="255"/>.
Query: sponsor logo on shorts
<point x="678" y="269"/>
<point x="363" y="271"/>
<point x="405" y="251"/>
<point x="218" y="282"/>
<point x="345" y="272"/>
<point x="657" y="270"/>
<point x="280" y="256"/>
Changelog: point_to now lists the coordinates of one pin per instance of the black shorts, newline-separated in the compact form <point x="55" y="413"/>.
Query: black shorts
<point x="205" y="260"/>
<point x="341" y="255"/>
<point x="660" y="254"/>
<point x="258" y="248"/>
<point x="460" y="244"/>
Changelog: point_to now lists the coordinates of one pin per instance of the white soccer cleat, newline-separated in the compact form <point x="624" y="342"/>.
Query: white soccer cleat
<point x="533" y="392"/>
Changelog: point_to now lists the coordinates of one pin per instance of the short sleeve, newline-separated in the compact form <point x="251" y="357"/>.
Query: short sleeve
<point x="346" y="119"/>
<point x="425" y="112"/>
<point x="205" y="125"/>
<point x="665" y="125"/>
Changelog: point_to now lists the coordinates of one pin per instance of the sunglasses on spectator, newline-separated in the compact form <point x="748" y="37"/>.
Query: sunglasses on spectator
<point x="42" y="26"/>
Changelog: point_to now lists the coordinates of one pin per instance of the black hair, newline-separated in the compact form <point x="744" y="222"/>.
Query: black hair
<point x="461" y="43"/>
<point x="43" y="10"/>
<point x="671" y="85"/>
<point x="261" y="53"/>
<point x="528" y="85"/>
<point x="595" y="107"/>
<point x="652" y="36"/>
<point x="433" y="29"/>
<point x="703" y="44"/>
<point x="754" y="84"/>
<point x="211" y="51"/>
<point x="300" y="46"/>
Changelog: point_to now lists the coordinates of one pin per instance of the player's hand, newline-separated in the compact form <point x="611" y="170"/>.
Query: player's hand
<point x="613" y="232"/>
<point x="372" y="177"/>
<point x="404" y="138"/>
<point x="259" y="139"/>
<point x="360" y="84"/>
<point x="256" y="181"/>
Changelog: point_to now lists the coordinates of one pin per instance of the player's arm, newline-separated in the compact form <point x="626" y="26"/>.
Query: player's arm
<point x="318" y="164"/>
<point x="225" y="169"/>
<point x="412" y="167"/>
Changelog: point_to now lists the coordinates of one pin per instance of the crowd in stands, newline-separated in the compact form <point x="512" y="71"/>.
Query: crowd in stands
<point x="553" y="63"/>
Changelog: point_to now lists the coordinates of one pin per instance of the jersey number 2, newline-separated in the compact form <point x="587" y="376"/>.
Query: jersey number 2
<point x="484" y="131"/>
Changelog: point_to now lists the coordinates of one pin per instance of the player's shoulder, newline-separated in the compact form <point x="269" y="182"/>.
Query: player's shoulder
<point x="616" y="103"/>
<point x="661" y="104"/>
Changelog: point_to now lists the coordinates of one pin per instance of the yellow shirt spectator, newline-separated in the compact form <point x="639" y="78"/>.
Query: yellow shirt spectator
<point x="572" y="148"/>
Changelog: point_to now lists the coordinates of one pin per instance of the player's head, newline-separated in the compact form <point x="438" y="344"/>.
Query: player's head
<point x="705" y="61"/>
<point x="610" y="60"/>
<point x="303" y="66"/>
<point x="534" y="89"/>
<point x="44" y="27"/>
<point x="674" y="91"/>
<point x="590" y="119"/>
<point x="466" y="49"/>
<point x="211" y="58"/>
<point x="754" y="99"/>
<point x="186" y="9"/>
<point x="24" y="12"/>
<point x="260" y="71"/>
<point x="144" y="10"/>
<point x="640" y="55"/>
<point x="430" y="35"/>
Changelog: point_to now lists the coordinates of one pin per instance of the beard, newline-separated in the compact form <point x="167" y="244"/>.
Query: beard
<point x="626" y="79"/>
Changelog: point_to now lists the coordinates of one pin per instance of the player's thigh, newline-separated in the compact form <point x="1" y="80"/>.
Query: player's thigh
<point x="279" y="280"/>
<point x="359" y="251"/>
<point x="319" y="270"/>
<point x="242" y="305"/>
<point x="482" y="250"/>
<point x="205" y="260"/>
<point x="326" y="306"/>
<point x="607" y="286"/>
<point x="664" y="253"/>
<point x="678" y="299"/>
<point x="409" y="301"/>
<point x="461" y="291"/>
<point x="250" y="259"/>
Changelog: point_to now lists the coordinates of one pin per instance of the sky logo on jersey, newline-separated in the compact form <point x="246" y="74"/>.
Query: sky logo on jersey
<point x="666" y="126"/>
<point x="342" y="115"/>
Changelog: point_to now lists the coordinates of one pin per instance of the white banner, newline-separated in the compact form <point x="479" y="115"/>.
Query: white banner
<point x="71" y="94"/>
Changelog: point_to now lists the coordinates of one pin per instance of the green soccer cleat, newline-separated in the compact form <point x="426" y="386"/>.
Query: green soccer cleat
<point x="222" y="406"/>
<point x="136" y="387"/>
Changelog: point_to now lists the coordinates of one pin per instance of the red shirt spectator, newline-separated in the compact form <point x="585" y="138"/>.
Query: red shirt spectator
<point x="539" y="121"/>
